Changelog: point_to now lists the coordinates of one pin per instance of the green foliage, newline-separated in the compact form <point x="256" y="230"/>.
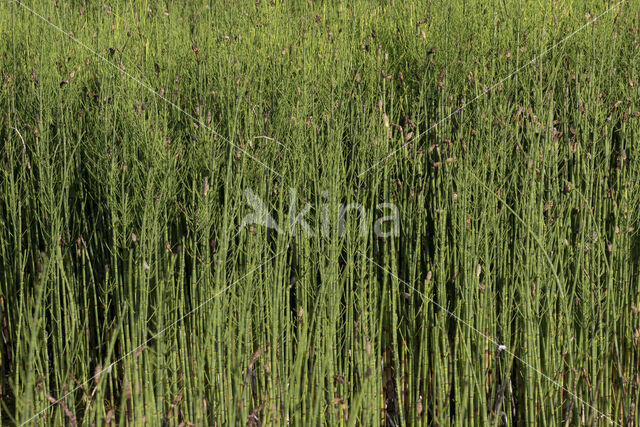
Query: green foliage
<point x="131" y="293"/>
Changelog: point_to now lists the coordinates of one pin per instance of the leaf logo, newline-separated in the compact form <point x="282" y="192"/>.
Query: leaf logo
<point x="260" y="215"/>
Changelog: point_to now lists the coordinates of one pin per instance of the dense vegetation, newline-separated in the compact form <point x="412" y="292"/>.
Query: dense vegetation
<point x="506" y="133"/>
